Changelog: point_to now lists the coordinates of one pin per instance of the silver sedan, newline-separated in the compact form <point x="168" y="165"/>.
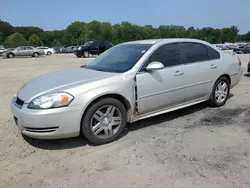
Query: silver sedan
<point x="23" y="51"/>
<point x="127" y="83"/>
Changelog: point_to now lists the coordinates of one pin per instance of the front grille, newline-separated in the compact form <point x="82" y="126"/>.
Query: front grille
<point x="19" y="102"/>
<point x="41" y="130"/>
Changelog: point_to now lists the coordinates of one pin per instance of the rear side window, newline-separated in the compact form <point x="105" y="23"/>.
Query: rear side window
<point x="212" y="54"/>
<point x="168" y="55"/>
<point x="193" y="52"/>
<point x="28" y="48"/>
<point x="108" y="45"/>
<point x="102" y="44"/>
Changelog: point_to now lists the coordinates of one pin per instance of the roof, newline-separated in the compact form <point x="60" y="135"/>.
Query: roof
<point x="170" y="40"/>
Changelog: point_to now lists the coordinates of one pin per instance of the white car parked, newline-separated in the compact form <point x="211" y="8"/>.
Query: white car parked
<point x="2" y="50"/>
<point x="47" y="50"/>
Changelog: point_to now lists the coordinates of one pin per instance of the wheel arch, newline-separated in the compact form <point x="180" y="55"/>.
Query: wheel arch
<point x="226" y="76"/>
<point x="116" y="96"/>
<point x="10" y="53"/>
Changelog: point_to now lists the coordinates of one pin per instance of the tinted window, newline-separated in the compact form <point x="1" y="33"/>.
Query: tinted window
<point x="193" y="52"/>
<point x="88" y="43"/>
<point x="95" y="45"/>
<point x="168" y="55"/>
<point x="28" y="48"/>
<point x="120" y="58"/>
<point x="20" y="48"/>
<point x="212" y="54"/>
<point x="108" y="45"/>
<point x="102" y="44"/>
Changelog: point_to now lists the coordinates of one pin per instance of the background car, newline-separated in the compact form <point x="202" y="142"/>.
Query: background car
<point x="2" y="50"/>
<point x="93" y="48"/>
<point x="246" y="49"/>
<point x="238" y="50"/>
<point x="248" y="69"/>
<point x="47" y="50"/>
<point x="23" y="51"/>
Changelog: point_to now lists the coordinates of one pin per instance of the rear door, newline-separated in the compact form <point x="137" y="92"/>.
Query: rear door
<point x="29" y="51"/>
<point x="201" y="65"/>
<point x="94" y="48"/>
<point x="101" y="47"/>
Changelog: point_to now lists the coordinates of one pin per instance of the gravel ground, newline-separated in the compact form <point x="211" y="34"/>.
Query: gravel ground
<point x="194" y="147"/>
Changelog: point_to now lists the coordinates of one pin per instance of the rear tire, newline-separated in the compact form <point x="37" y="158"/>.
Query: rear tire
<point x="104" y="121"/>
<point x="10" y="55"/>
<point x="220" y="92"/>
<point x="35" y="54"/>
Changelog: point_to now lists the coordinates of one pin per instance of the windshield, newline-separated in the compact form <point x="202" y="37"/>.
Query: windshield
<point x="119" y="58"/>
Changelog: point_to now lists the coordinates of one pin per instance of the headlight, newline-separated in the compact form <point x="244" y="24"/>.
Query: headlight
<point x="53" y="100"/>
<point x="79" y="48"/>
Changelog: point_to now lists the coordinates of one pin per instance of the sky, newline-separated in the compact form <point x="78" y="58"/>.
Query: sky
<point x="55" y="14"/>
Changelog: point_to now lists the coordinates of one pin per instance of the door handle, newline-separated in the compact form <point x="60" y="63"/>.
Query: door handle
<point x="178" y="73"/>
<point x="212" y="66"/>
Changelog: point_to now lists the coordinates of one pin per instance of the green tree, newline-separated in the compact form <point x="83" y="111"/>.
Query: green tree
<point x="28" y="31"/>
<point x="106" y="31"/>
<point x="34" y="40"/>
<point x="6" y="29"/>
<point x="78" y="32"/>
<point x="15" y="40"/>
<point x="1" y="37"/>
<point x="56" y="43"/>
<point x="247" y="37"/>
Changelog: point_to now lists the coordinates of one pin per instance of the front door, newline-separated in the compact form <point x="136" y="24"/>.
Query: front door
<point x="19" y="51"/>
<point x="162" y="88"/>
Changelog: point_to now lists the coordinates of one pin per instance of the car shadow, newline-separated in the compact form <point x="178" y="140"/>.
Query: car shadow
<point x="164" y="118"/>
<point x="60" y="144"/>
<point x="247" y="75"/>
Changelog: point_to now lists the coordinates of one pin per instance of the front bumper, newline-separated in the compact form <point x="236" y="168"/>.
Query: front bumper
<point x="48" y="124"/>
<point x="78" y="53"/>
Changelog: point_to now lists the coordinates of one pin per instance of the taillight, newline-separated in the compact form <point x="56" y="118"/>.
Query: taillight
<point x="239" y="61"/>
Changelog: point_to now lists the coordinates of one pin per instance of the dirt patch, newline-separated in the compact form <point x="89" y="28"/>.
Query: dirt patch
<point x="221" y="117"/>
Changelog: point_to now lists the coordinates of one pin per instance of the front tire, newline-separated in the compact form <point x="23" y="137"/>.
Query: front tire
<point x="220" y="92"/>
<point x="104" y="121"/>
<point x="10" y="55"/>
<point x="49" y="53"/>
<point x="85" y="54"/>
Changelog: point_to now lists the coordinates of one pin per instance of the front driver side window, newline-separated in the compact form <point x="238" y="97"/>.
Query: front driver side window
<point x="20" y="48"/>
<point x="168" y="55"/>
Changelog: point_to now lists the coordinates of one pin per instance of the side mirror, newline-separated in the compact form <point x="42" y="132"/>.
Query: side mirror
<point x="155" y="65"/>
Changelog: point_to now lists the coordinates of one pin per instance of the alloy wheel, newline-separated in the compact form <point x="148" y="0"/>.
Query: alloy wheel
<point x="221" y="92"/>
<point x="106" y="121"/>
<point x="86" y="54"/>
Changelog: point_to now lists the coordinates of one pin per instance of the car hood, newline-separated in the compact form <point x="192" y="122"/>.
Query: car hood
<point x="60" y="80"/>
<point x="9" y="50"/>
